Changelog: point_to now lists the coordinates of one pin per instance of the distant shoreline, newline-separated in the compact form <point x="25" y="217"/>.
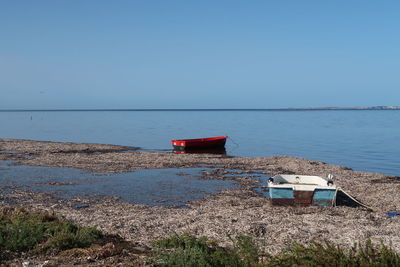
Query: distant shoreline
<point x="210" y="109"/>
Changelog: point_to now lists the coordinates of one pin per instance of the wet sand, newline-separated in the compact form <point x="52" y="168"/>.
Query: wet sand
<point x="229" y="212"/>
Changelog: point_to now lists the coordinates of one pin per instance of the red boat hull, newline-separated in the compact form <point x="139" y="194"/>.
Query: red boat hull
<point x="200" y="143"/>
<point x="212" y="150"/>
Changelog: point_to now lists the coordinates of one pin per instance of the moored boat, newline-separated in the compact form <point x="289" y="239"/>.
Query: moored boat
<point x="199" y="143"/>
<point x="302" y="190"/>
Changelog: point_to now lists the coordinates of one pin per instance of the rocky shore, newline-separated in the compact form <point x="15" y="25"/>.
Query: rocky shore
<point x="217" y="216"/>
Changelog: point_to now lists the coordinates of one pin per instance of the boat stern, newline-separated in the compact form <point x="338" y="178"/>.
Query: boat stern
<point x="293" y="191"/>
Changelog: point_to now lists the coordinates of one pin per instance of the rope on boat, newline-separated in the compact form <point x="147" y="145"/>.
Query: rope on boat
<point x="390" y="214"/>
<point x="356" y="201"/>
<point x="236" y="144"/>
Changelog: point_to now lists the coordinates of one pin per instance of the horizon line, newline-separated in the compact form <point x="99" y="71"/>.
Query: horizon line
<point x="204" y="109"/>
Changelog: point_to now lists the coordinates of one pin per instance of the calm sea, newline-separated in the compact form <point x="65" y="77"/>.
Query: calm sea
<point x="365" y="140"/>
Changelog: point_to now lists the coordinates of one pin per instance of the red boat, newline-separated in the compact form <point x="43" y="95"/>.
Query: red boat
<point x="200" y="143"/>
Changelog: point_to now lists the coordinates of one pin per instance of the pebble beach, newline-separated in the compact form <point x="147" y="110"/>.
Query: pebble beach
<point x="218" y="216"/>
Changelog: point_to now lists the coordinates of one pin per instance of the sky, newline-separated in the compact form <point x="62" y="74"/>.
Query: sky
<point x="73" y="54"/>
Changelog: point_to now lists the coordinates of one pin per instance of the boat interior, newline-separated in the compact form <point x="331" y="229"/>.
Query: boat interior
<point x="300" y="179"/>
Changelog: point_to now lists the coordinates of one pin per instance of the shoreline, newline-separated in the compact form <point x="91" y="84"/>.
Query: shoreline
<point x="228" y="212"/>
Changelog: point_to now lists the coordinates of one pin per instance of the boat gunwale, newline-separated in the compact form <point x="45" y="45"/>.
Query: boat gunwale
<point x="201" y="139"/>
<point x="292" y="186"/>
<point x="291" y="179"/>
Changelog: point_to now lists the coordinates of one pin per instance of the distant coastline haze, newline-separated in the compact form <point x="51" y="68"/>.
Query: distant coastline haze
<point x="198" y="54"/>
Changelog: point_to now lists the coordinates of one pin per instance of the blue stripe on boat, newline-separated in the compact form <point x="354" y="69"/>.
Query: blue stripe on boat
<point x="324" y="197"/>
<point x="324" y="193"/>
<point x="281" y="193"/>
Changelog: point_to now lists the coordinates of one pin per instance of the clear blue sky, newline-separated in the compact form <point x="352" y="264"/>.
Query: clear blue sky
<point x="198" y="54"/>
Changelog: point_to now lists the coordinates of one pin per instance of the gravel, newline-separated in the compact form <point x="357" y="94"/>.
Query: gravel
<point x="218" y="216"/>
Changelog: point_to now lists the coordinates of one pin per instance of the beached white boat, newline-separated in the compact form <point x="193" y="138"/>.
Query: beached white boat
<point x="302" y="190"/>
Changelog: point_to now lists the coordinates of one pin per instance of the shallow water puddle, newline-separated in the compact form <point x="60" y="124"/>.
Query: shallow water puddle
<point x="169" y="187"/>
<point x="260" y="187"/>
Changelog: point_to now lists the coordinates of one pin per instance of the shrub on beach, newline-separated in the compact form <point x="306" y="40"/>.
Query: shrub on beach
<point x="329" y="254"/>
<point x="185" y="250"/>
<point x="22" y="231"/>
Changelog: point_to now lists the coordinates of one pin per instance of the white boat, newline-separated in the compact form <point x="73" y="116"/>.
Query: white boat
<point x="302" y="190"/>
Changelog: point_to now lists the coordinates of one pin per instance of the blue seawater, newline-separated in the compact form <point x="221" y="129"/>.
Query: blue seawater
<point x="366" y="140"/>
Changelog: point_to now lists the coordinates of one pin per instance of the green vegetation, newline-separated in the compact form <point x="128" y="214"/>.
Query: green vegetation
<point x="22" y="231"/>
<point x="34" y="232"/>
<point x="185" y="250"/>
<point x="329" y="254"/>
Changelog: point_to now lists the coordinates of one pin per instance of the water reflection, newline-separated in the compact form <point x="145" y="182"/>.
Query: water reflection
<point x="219" y="151"/>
